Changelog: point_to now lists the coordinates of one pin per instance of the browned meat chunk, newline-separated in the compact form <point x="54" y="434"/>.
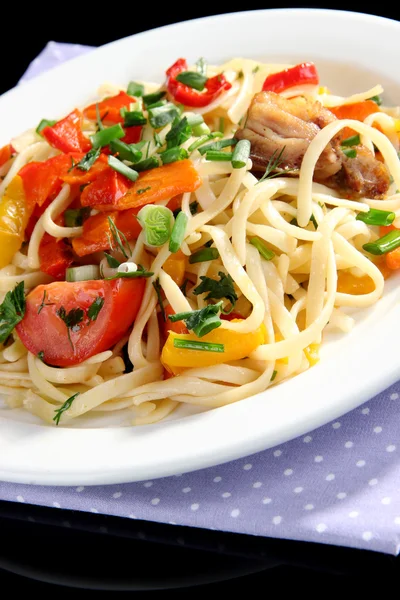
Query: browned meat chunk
<point x="276" y="124"/>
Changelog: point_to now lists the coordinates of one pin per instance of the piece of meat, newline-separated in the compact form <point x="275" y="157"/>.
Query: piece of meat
<point x="276" y="124"/>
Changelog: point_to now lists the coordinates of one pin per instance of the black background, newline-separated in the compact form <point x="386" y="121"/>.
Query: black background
<point x="36" y="545"/>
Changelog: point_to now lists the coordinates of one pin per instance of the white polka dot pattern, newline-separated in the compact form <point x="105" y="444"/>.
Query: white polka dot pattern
<point x="337" y="484"/>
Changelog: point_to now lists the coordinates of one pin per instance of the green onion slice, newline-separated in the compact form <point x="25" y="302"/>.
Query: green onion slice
<point x="354" y="140"/>
<point x="197" y="345"/>
<point x="178" y="232"/>
<point x="203" y="140"/>
<point x="44" y="123"/>
<point x="173" y="155"/>
<point x="83" y="273"/>
<point x="217" y="155"/>
<point x="135" y="89"/>
<point x="376" y="217"/>
<point x="105" y="136"/>
<point x="150" y="99"/>
<point x="133" y="118"/>
<point x="262" y="248"/>
<point x="385" y="244"/>
<point x="89" y="159"/>
<point x="203" y="255"/>
<point x="241" y="154"/>
<point x="194" y="80"/>
<point x="122" y="168"/>
<point x="147" y="164"/>
<point x="131" y="152"/>
<point x="218" y="145"/>
<point x="75" y="217"/>
<point x="157" y="222"/>
<point x="350" y="152"/>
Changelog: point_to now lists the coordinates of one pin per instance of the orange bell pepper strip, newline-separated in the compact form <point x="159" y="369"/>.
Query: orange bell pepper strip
<point x="109" y="108"/>
<point x="42" y="179"/>
<point x="14" y="214"/>
<point x="55" y="256"/>
<point x="358" y="111"/>
<point x="160" y="184"/>
<point x="80" y="177"/>
<point x="6" y="153"/>
<point x="350" y="284"/>
<point x="97" y="234"/>
<point x="392" y="259"/>
<point x="236" y="346"/>
<point x="66" y="135"/>
<point x="105" y="192"/>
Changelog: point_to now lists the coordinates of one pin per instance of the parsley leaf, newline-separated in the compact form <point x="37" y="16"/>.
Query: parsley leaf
<point x="71" y="320"/>
<point x="180" y="133"/>
<point x="59" y="411"/>
<point x="113" y="263"/>
<point x="12" y="310"/>
<point x="89" y="159"/>
<point x="200" y="321"/>
<point x="95" y="308"/>
<point x="218" y="289"/>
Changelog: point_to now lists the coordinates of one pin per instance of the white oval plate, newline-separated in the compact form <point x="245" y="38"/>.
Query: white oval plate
<point x="353" y="367"/>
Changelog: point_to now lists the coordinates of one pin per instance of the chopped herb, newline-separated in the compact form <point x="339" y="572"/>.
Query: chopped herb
<point x="218" y="289"/>
<point x="75" y="217"/>
<point x="157" y="287"/>
<point x="12" y="310"/>
<point x="150" y="99"/>
<point x="107" y="135"/>
<point x="143" y="190"/>
<point x="59" y="411"/>
<point x="157" y="140"/>
<point x="147" y="164"/>
<point x="119" y="238"/>
<point x="385" y="244"/>
<point x="201" y="67"/>
<point x="173" y="155"/>
<point x="376" y="99"/>
<point x="192" y="79"/>
<point x="44" y="303"/>
<point x="40" y="355"/>
<point x="157" y="222"/>
<point x="179" y="133"/>
<point x="349" y="152"/>
<point x="160" y="116"/>
<point x="122" y="168"/>
<point x="135" y="89"/>
<point x="112" y="262"/>
<point x="44" y="123"/>
<point x="273" y="164"/>
<point x="195" y="345"/>
<point x="202" y="140"/>
<point x="178" y="232"/>
<point x="99" y="118"/>
<point x="354" y="140"/>
<point x="313" y="220"/>
<point x="221" y="126"/>
<point x="256" y="69"/>
<point x="89" y="159"/>
<point x="95" y="308"/>
<point x="200" y="321"/>
<point x="241" y="154"/>
<point x="262" y="248"/>
<point x="184" y="286"/>
<point x="134" y="118"/>
<point x="203" y="255"/>
<point x="141" y="272"/>
<point x="202" y="129"/>
<point x="131" y="152"/>
<point x="274" y="374"/>
<point x="219" y="145"/>
<point x="216" y="155"/>
<point x="377" y="217"/>
<point x="71" y="320"/>
<point x="194" y="119"/>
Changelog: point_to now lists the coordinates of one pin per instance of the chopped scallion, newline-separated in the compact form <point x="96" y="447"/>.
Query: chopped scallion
<point x="135" y="89"/>
<point x="262" y="248"/>
<point x="354" y="140"/>
<point x="376" y="217"/>
<point x="157" y="222"/>
<point x="194" y="80"/>
<point x="377" y="100"/>
<point x="74" y="217"/>
<point x="179" y="133"/>
<point x="203" y="255"/>
<point x="105" y="136"/>
<point x="150" y="99"/>
<point x="44" y="123"/>
<point x="131" y="152"/>
<point x="241" y="154"/>
<point x="159" y="116"/>
<point x="202" y="129"/>
<point x="147" y="164"/>
<point x="219" y="145"/>
<point x="83" y="273"/>
<point x="89" y="159"/>
<point x="122" y="168"/>
<point x="173" y="155"/>
<point x="217" y="155"/>
<point x="193" y="119"/>
<point x="385" y="244"/>
<point x="134" y="118"/>
<point x="350" y="152"/>
<point x="203" y="140"/>
<point x="197" y="345"/>
<point x="178" y="232"/>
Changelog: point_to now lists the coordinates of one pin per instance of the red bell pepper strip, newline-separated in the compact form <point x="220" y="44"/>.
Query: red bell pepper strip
<point x="304" y="73"/>
<point x="109" y="109"/>
<point x="105" y="191"/>
<point x="55" y="256"/>
<point x="190" y="97"/>
<point x="6" y="153"/>
<point x="97" y="234"/>
<point x="42" y="179"/>
<point x="132" y="134"/>
<point x="66" y="135"/>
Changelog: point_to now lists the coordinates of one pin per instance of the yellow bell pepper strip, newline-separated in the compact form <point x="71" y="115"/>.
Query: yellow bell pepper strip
<point x="236" y="346"/>
<point x="350" y="284"/>
<point x="312" y="354"/>
<point x="175" y="266"/>
<point x="14" y="215"/>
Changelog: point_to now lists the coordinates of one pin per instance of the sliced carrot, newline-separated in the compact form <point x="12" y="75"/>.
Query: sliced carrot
<point x="97" y="234"/>
<point x="358" y="111"/>
<point x="392" y="259"/>
<point x="161" y="183"/>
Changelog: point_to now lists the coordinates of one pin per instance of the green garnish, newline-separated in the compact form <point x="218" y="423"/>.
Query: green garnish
<point x="112" y="262"/>
<point x="192" y="79"/>
<point x="133" y="118"/>
<point x="150" y="99"/>
<point x="178" y="232"/>
<point x="200" y="321"/>
<point x="159" y="116"/>
<point x="99" y="118"/>
<point x="262" y="248"/>
<point x="202" y="129"/>
<point x="135" y="89"/>
<point x="313" y="220"/>
<point x="157" y="222"/>
<point x="107" y="135"/>
<point x="40" y="355"/>
<point x="173" y="155"/>
<point x="376" y="99"/>
<point x="385" y="244"/>
<point x="157" y="288"/>
<point x="202" y="140"/>
<point x="194" y="119"/>
<point x="12" y="310"/>
<point x="219" y="145"/>
<point x="89" y="159"/>
<point x="44" y="303"/>
<point x="274" y="374"/>
<point x="71" y="320"/>
<point x="180" y="132"/>
<point x="194" y="345"/>
<point x="218" y="289"/>
<point x="201" y="67"/>
<point x="59" y="411"/>
<point x="221" y="126"/>
<point x="75" y="217"/>
<point x="349" y="152"/>
<point x="273" y="163"/>
<point x="119" y="239"/>
<point x="95" y="308"/>
<point x="44" y="123"/>
<point x="354" y="140"/>
<point x="376" y="217"/>
<point x="146" y="164"/>
<point x="193" y="206"/>
<point x="256" y="69"/>
<point x="143" y="190"/>
<point x="216" y="155"/>
<point x="157" y="140"/>
<point x="203" y="255"/>
<point x="184" y="286"/>
<point x="241" y="154"/>
<point x="131" y="152"/>
<point x="122" y="168"/>
<point x="141" y="272"/>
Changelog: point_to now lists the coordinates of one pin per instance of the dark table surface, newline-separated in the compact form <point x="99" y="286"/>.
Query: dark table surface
<point x="44" y="548"/>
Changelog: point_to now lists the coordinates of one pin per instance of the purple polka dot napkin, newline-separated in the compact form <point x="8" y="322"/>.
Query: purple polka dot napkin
<point x="340" y="484"/>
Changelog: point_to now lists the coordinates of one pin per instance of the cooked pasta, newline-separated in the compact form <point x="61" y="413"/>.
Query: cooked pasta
<point x="190" y="242"/>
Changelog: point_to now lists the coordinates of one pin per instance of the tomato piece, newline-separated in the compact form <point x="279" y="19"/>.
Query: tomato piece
<point x="104" y="193"/>
<point x="109" y="108"/>
<point x="42" y="330"/>
<point x="214" y="86"/>
<point x="66" y="135"/>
